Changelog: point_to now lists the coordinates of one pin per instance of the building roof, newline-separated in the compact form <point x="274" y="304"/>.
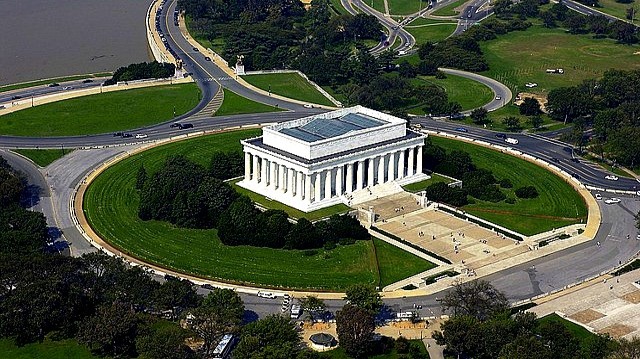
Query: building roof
<point x="322" y="338"/>
<point x="320" y="128"/>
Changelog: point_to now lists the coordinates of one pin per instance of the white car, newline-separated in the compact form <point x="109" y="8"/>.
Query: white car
<point x="598" y="196"/>
<point x="498" y="98"/>
<point x="68" y="88"/>
<point x="141" y="135"/>
<point x="612" y="200"/>
<point x="308" y="105"/>
<point x="511" y="140"/>
<point x="268" y="295"/>
<point x="531" y="84"/>
<point x="611" y="177"/>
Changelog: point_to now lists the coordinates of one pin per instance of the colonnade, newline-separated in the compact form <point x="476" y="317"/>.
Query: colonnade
<point x="295" y="181"/>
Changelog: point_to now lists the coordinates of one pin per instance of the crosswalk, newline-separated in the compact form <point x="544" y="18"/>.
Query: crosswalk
<point x="211" y="108"/>
<point x="210" y="79"/>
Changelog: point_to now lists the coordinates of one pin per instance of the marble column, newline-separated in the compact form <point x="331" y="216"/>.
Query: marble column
<point x="410" y="165"/>
<point x="419" y="166"/>
<point x="247" y="166"/>
<point x="291" y="183"/>
<point x="256" y="169"/>
<point x="282" y="179"/>
<point x="370" y="173"/>
<point x="392" y="164"/>
<point x="360" y="175"/>
<point x="349" y="184"/>
<point x="263" y="168"/>
<point x="401" y="165"/>
<point x="316" y="180"/>
<point x="381" y="169"/>
<point x="339" y="181"/>
<point x="327" y="184"/>
<point x="273" y="174"/>
<point x="307" y="187"/>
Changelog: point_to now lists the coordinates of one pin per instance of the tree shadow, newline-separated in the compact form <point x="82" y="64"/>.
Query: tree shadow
<point x="30" y="196"/>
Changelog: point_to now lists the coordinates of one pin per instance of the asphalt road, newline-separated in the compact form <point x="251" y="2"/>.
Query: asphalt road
<point x="501" y="93"/>
<point x="7" y="97"/>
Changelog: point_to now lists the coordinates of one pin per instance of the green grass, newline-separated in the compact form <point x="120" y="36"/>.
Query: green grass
<point x="576" y="330"/>
<point x="418" y="21"/>
<point x="235" y="104"/>
<point x="420" y="186"/>
<point x="336" y="7"/>
<point x="617" y="170"/>
<point x="216" y="44"/>
<point x="48" y="349"/>
<point x="433" y="32"/>
<point x="22" y="85"/>
<point x="102" y="113"/>
<point x="289" y="85"/>
<point x="557" y="205"/>
<point x="43" y="157"/>
<point x="523" y="56"/>
<point x="111" y="204"/>
<point x="396" y="264"/>
<point x="449" y="9"/>
<point x="618" y="10"/>
<point x="406" y="7"/>
<point x="338" y="353"/>
<point x="512" y="110"/>
<point x="468" y="93"/>
<point x="292" y="212"/>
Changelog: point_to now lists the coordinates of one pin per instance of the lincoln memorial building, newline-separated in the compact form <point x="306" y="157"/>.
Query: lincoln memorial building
<point x="318" y="161"/>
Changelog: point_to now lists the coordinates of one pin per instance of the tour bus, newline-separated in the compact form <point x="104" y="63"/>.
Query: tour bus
<point x="224" y="347"/>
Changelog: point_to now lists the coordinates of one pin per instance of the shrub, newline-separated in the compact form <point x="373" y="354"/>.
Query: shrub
<point x="329" y="245"/>
<point x="506" y="183"/>
<point x="527" y="192"/>
<point x="510" y="200"/>
<point x="309" y="252"/>
<point x="402" y="345"/>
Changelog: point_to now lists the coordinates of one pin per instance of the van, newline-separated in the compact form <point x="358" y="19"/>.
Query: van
<point x="268" y="295"/>
<point x="296" y="310"/>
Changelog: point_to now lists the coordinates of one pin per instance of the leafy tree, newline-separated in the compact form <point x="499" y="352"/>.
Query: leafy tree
<point x="576" y="23"/>
<point x="111" y="331"/>
<point x="273" y="224"/>
<point x="239" y="223"/>
<point x="215" y="198"/>
<point x="512" y="123"/>
<point x="355" y="326"/>
<point x="164" y="342"/>
<point x="275" y="337"/>
<point x="479" y="115"/>
<point x="175" y="292"/>
<point x="530" y="107"/>
<point x="10" y="187"/>
<point x="477" y="298"/>
<point x="312" y="304"/>
<point x="624" y="32"/>
<point x="558" y="340"/>
<point x="365" y="297"/>
<point x="302" y="235"/>
<point x="225" y="165"/>
<point x="141" y="177"/>
<point x="526" y="192"/>
<point x="441" y="192"/>
<point x="220" y="313"/>
<point x="525" y="347"/>
<point x="536" y="122"/>
<point x="548" y="20"/>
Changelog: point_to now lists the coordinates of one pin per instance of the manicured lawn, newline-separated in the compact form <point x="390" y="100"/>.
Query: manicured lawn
<point x="235" y="104"/>
<point x="338" y="353"/>
<point x="612" y="7"/>
<point x="396" y="264"/>
<point x="512" y="110"/>
<point x="449" y="9"/>
<point x="4" y="88"/>
<point x="216" y="45"/>
<point x="406" y="7"/>
<point x="468" y="93"/>
<point x="420" y="186"/>
<point x="289" y="85"/>
<point x="102" y="113"/>
<point x="424" y="21"/>
<point x="578" y="332"/>
<point x="523" y="56"/>
<point x="292" y="212"/>
<point x="64" y="349"/>
<point x="337" y="7"/>
<point x="43" y="157"/>
<point x="111" y="204"/>
<point x="557" y="205"/>
<point x="432" y="32"/>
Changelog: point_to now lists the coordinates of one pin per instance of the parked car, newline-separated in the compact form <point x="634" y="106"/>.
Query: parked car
<point x="611" y="177"/>
<point x="268" y="295"/>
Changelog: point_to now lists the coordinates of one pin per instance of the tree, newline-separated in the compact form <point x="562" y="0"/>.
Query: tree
<point x="111" y="331"/>
<point x="525" y="347"/>
<point x="220" y="313"/>
<point x="548" y="20"/>
<point x="477" y="298"/>
<point x="164" y="342"/>
<point x="10" y="187"/>
<point x="176" y="293"/>
<point x="141" y="177"/>
<point x="627" y="349"/>
<point x="536" y="122"/>
<point x="479" y="115"/>
<point x="555" y="336"/>
<point x="274" y="337"/>
<point x="637" y="218"/>
<point x="312" y="305"/>
<point x="355" y="326"/>
<point x="512" y="123"/>
<point x="239" y="223"/>
<point x="530" y="107"/>
<point x="215" y="198"/>
<point x="302" y="235"/>
<point x="365" y="297"/>
<point x="576" y="23"/>
<point x="624" y="32"/>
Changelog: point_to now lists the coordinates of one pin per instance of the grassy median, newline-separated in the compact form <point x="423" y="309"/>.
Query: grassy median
<point x="290" y="85"/>
<point x="102" y="113"/>
<point x="43" y="157"/>
<point x="111" y="204"/>
<point x="557" y="205"/>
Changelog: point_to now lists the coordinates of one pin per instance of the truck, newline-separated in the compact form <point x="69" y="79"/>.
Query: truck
<point x="296" y="310"/>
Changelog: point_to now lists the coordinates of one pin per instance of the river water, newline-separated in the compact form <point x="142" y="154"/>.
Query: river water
<point x="49" y="38"/>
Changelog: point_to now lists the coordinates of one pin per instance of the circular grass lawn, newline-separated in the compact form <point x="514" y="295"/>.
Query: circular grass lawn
<point x="111" y="203"/>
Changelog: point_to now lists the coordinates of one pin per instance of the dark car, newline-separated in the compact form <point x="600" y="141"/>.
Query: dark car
<point x="461" y="129"/>
<point x="16" y="97"/>
<point x="501" y="135"/>
<point x="575" y="175"/>
<point x="567" y="149"/>
<point x="207" y="58"/>
<point x="87" y="81"/>
<point x="575" y="160"/>
<point x="125" y="135"/>
<point x="55" y="84"/>
<point x="185" y="125"/>
<point x="117" y="134"/>
<point x="195" y="49"/>
<point x="175" y="125"/>
<point x="208" y="286"/>
<point x="553" y="159"/>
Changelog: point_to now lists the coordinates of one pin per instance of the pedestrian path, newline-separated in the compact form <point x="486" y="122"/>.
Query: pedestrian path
<point x="210" y="109"/>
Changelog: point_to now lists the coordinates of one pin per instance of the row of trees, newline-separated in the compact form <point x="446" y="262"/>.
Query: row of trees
<point x="143" y="70"/>
<point x="482" y="326"/>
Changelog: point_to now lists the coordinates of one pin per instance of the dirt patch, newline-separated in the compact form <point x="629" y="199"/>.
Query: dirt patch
<point x="617" y="330"/>
<point x="633" y="297"/>
<point x="637" y="53"/>
<point x="542" y="99"/>
<point x="586" y="316"/>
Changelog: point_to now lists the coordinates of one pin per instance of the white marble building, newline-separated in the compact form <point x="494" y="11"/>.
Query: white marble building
<point x="317" y="161"/>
